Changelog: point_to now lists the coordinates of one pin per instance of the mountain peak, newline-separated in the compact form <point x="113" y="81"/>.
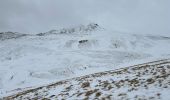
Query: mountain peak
<point x="80" y="29"/>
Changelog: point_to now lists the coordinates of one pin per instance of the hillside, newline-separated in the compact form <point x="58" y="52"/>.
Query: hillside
<point x="31" y="60"/>
<point x="149" y="81"/>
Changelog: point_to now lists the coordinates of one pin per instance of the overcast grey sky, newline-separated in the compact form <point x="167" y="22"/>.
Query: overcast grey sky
<point x="31" y="16"/>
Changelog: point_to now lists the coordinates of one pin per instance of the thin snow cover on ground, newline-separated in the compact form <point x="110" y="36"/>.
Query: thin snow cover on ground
<point x="148" y="81"/>
<point x="28" y="61"/>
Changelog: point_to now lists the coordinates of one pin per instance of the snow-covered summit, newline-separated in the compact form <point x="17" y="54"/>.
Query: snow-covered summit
<point x="73" y="30"/>
<point x="79" y="29"/>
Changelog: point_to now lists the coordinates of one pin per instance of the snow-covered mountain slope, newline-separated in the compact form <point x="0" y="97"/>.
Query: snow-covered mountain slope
<point x="148" y="81"/>
<point x="33" y="60"/>
<point x="10" y="35"/>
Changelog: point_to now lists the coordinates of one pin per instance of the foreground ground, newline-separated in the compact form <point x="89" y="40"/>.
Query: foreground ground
<point x="150" y="81"/>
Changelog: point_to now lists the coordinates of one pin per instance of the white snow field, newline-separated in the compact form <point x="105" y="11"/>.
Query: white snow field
<point x="28" y="61"/>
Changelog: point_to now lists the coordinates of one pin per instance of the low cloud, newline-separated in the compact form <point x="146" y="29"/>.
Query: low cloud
<point x="32" y="16"/>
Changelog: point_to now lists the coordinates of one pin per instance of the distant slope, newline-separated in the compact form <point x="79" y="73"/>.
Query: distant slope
<point x="10" y="35"/>
<point x="150" y="81"/>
